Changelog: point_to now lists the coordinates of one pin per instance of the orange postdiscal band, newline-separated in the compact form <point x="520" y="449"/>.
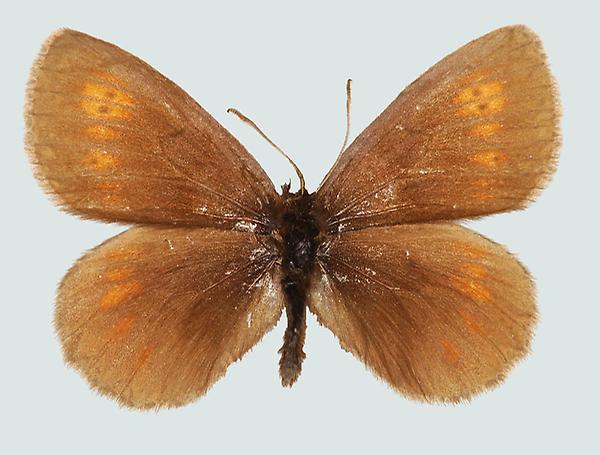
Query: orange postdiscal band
<point x="101" y="132"/>
<point x="486" y="129"/>
<point x="122" y="328"/>
<point x="100" y="160"/>
<point x="117" y="294"/>
<point x="478" y="92"/>
<point x="490" y="158"/>
<point x="483" y="107"/>
<point x="451" y="351"/>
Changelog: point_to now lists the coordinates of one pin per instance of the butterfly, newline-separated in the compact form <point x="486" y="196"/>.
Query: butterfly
<point x="154" y="316"/>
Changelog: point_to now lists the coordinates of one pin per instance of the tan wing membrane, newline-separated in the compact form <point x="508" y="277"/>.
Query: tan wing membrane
<point x="154" y="316"/>
<point x="113" y="139"/>
<point x="476" y="134"/>
<point x="437" y="311"/>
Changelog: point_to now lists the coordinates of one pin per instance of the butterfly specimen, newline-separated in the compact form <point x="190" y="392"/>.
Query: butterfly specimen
<point x="154" y="316"/>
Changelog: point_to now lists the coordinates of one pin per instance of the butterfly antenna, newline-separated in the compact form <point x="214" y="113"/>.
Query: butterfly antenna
<point x="347" y="135"/>
<point x="348" y="102"/>
<point x="246" y="120"/>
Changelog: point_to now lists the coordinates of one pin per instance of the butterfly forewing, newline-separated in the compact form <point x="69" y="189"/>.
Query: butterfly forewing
<point x="113" y="139"/>
<point x="154" y="316"/>
<point x="476" y="134"/>
<point x="437" y="311"/>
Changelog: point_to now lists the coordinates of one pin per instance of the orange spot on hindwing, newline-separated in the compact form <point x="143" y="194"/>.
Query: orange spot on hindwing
<point x="119" y="274"/>
<point x="119" y="293"/>
<point x="451" y="351"/>
<point x="473" y="289"/>
<point x="124" y="253"/>
<point x="475" y="270"/>
<point x="468" y="249"/>
<point x="142" y="357"/>
<point x="472" y="322"/>
<point x="122" y="328"/>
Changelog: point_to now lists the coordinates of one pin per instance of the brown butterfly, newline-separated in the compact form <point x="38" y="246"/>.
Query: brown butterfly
<point x="154" y="316"/>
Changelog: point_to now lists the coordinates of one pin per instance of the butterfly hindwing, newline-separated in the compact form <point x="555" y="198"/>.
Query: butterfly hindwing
<point x="154" y="316"/>
<point x="474" y="135"/>
<point x="436" y="310"/>
<point x="113" y="139"/>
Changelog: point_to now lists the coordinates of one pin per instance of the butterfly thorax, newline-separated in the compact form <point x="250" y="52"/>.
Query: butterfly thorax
<point x="300" y="232"/>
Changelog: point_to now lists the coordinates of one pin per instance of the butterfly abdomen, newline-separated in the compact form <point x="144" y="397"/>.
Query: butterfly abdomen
<point x="299" y="233"/>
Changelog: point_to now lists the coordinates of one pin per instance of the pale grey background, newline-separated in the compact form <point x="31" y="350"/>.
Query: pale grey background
<point x="286" y="67"/>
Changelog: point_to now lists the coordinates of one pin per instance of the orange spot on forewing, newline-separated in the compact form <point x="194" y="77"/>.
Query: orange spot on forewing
<point x="105" y="102"/>
<point x="101" y="132"/>
<point x="104" y="110"/>
<point x="490" y="158"/>
<point x="107" y="93"/>
<point x="100" y="160"/>
<point x="486" y="129"/>
<point x="479" y="91"/>
<point x="483" y="107"/>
